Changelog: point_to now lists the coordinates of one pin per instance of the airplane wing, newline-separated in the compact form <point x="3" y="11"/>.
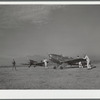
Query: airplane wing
<point x="55" y="61"/>
<point x="75" y="61"/>
<point x="55" y="58"/>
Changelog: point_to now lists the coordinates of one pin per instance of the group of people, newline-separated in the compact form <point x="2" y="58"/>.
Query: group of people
<point x="88" y="64"/>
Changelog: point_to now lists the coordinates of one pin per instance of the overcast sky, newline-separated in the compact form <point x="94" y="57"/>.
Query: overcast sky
<point x="43" y="29"/>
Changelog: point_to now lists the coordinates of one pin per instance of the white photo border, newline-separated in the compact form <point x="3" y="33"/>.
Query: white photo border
<point x="50" y="94"/>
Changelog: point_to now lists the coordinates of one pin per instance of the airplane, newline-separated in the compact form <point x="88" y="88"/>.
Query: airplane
<point x="35" y="63"/>
<point x="61" y="61"/>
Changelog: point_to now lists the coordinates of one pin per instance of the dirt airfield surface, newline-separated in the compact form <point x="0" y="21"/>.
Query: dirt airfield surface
<point x="48" y="78"/>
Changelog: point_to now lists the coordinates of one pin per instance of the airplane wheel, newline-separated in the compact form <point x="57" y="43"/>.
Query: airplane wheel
<point x="54" y="67"/>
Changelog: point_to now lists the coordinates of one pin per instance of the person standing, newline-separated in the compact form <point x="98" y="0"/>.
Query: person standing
<point x="88" y="62"/>
<point x="14" y="64"/>
<point x="45" y="63"/>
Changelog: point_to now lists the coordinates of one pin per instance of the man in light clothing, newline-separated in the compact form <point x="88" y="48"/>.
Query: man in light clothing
<point x="80" y="65"/>
<point x="45" y="63"/>
<point x="88" y="62"/>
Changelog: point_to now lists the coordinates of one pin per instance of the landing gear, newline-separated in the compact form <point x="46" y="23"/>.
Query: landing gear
<point x="60" y="67"/>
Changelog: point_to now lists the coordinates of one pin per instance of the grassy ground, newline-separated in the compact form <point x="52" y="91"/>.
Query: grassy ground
<point x="41" y="78"/>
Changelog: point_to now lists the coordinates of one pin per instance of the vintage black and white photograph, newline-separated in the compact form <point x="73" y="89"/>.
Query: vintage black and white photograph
<point x="49" y="46"/>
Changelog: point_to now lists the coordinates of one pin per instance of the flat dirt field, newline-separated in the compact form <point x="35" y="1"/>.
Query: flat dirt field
<point x="42" y="78"/>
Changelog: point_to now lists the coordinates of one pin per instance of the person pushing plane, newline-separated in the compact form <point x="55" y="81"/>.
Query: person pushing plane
<point x="88" y="62"/>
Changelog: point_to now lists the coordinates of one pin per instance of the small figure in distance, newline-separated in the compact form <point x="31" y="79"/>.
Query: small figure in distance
<point x="14" y="64"/>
